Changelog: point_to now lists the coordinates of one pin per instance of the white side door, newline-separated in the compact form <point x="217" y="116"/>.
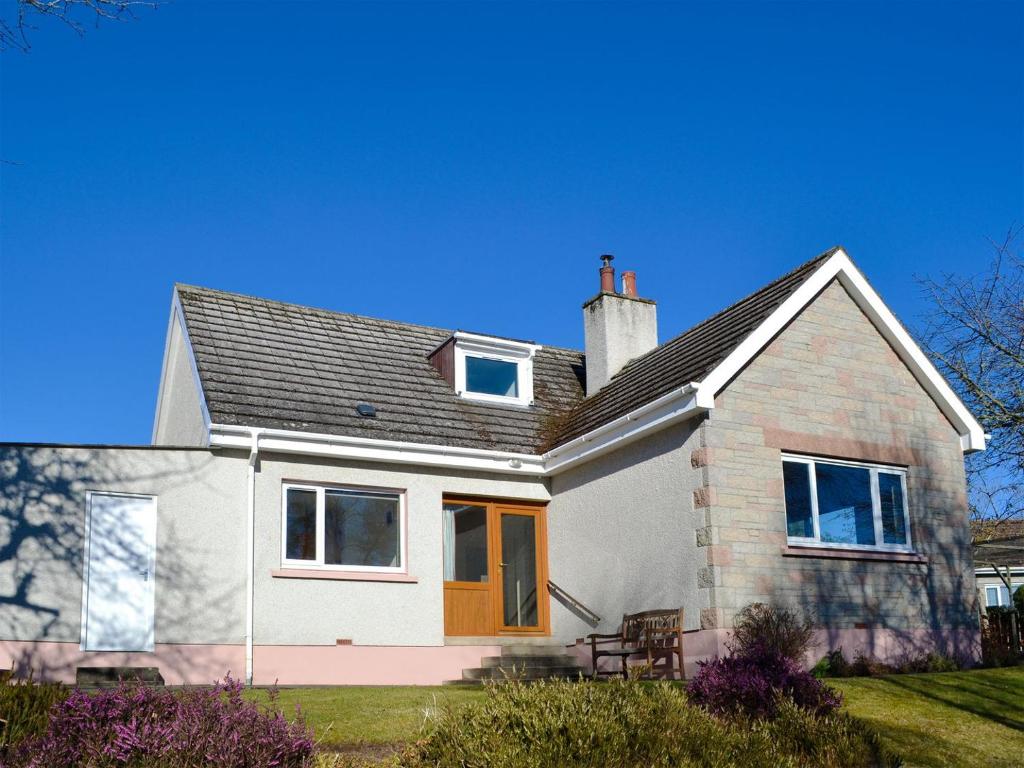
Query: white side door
<point x="120" y="561"/>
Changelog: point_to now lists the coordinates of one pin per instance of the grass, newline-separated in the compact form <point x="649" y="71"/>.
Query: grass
<point x="368" y="715"/>
<point x="949" y="719"/>
<point x="946" y="719"/>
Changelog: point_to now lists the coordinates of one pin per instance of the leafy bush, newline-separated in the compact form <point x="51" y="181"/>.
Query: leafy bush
<point x="834" y="664"/>
<point x="161" y="728"/>
<point x="928" y="662"/>
<point x="624" y="724"/>
<point x="753" y="683"/>
<point x="1018" y="599"/>
<point x="25" y="708"/>
<point x="759" y="626"/>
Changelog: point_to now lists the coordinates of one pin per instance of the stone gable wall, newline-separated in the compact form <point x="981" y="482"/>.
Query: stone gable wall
<point x="830" y="385"/>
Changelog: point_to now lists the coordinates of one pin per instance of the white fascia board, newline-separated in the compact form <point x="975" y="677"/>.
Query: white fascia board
<point x="839" y="265"/>
<point x="369" y="449"/>
<point x="677" y="405"/>
<point x="492" y="343"/>
<point x="178" y="317"/>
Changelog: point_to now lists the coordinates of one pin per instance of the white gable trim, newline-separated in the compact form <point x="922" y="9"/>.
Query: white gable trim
<point x="839" y="265"/>
<point x="178" y="316"/>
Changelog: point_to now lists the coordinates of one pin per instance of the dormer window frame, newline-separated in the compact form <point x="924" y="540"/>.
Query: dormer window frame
<point x="520" y="353"/>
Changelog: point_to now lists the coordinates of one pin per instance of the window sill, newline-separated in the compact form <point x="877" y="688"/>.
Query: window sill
<point x="309" y="573"/>
<point x="838" y="553"/>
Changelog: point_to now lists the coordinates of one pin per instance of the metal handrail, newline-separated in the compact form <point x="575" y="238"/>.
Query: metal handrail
<point x="552" y="587"/>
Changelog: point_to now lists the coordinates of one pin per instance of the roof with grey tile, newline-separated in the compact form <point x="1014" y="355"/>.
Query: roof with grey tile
<point x="271" y="364"/>
<point x="690" y="356"/>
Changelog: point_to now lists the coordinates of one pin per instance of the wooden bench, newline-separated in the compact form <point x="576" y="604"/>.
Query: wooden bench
<point x="656" y="633"/>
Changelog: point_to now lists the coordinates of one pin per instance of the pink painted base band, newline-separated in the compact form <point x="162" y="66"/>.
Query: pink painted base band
<point x="887" y="645"/>
<point x="179" y="664"/>
<point x="365" y="664"/>
<point x="429" y="665"/>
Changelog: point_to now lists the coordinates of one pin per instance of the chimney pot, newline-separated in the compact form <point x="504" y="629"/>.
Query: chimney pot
<point x="629" y="283"/>
<point x="607" y="274"/>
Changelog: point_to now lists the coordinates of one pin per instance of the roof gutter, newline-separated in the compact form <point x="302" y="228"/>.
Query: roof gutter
<point x="371" y="449"/>
<point x="678" y="405"/>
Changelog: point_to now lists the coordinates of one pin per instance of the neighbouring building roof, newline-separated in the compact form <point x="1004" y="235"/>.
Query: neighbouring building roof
<point x="998" y="542"/>
<point x="688" y="357"/>
<point x="269" y="364"/>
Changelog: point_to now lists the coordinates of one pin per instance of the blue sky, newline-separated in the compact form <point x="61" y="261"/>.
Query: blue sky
<point x="464" y="166"/>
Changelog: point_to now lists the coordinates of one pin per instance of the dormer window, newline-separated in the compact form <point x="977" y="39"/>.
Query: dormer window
<point x="487" y="368"/>
<point x="491" y="376"/>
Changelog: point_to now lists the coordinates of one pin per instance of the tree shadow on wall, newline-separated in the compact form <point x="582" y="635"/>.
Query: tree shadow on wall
<point x="42" y="546"/>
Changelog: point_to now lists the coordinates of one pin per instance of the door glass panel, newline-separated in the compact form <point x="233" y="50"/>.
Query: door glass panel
<point x="465" y="543"/>
<point x="519" y="570"/>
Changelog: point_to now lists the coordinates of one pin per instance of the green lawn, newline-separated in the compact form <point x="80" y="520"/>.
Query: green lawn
<point x="360" y="715"/>
<point x="944" y="720"/>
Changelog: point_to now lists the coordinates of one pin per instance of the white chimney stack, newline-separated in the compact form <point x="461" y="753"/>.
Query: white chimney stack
<point x="617" y="327"/>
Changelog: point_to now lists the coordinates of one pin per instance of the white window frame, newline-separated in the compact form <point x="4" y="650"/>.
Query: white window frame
<point x="321" y="495"/>
<point x="520" y="353"/>
<point x="999" y="596"/>
<point x="876" y="506"/>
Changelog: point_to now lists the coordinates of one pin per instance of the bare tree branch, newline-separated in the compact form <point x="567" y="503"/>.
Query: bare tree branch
<point x="975" y="335"/>
<point x="14" y="33"/>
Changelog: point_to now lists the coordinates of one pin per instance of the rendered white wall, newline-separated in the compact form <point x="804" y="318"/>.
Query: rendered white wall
<point x="320" y="611"/>
<point x="179" y="417"/>
<point x="621" y="533"/>
<point x="200" y="561"/>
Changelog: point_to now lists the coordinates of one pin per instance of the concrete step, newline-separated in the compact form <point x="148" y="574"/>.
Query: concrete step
<point x="529" y="673"/>
<point x="530" y="660"/>
<point x="533" y="649"/>
<point x="109" y="677"/>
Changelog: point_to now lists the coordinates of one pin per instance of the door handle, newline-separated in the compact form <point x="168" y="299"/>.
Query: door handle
<point x="502" y="565"/>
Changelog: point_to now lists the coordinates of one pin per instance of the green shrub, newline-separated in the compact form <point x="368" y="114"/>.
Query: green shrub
<point x="928" y="662"/>
<point x="779" y="629"/>
<point x="832" y="664"/>
<point x="625" y="724"/>
<point x="1018" y="599"/>
<point x="25" y="708"/>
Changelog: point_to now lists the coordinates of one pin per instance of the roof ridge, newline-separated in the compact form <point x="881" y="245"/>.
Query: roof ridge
<point x="782" y="278"/>
<point x="336" y="313"/>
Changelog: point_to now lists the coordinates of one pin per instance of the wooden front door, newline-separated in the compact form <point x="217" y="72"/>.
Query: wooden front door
<point x="495" y="568"/>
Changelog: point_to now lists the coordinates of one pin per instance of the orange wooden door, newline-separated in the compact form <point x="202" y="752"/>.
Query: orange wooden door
<point x="520" y="585"/>
<point x="495" y="568"/>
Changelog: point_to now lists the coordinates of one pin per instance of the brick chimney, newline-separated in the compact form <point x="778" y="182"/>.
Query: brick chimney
<point x="617" y="327"/>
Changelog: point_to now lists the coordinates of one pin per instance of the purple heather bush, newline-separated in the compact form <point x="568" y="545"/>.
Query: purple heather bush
<point x="134" y="725"/>
<point x="752" y="683"/>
